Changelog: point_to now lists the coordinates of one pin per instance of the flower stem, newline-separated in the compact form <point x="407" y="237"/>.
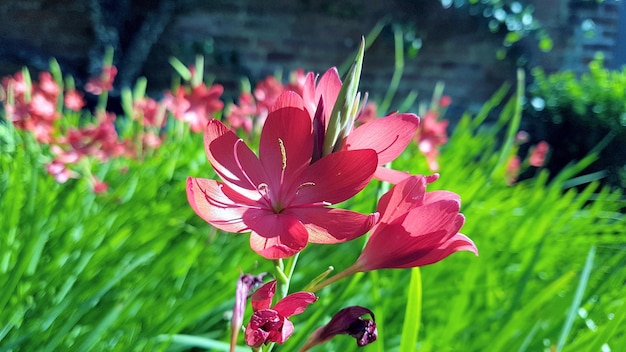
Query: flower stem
<point x="283" y="274"/>
<point x="351" y="270"/>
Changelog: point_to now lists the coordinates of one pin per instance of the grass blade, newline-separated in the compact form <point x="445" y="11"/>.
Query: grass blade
<point x="413" y="315"/>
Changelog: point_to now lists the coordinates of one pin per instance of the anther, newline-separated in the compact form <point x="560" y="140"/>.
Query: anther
<point x="283" y="153"/>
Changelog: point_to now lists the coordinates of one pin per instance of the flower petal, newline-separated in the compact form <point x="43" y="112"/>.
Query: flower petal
<point x="336" y="177"/>
<point x="233" y="160"/>
<point x="328" y="89"/>
<point x="457" y="243"/>
<point x="347" y="321"/>
<point x="275" y="236"/>
<point x="390" y="175"/>
<point x="388" y="135"/>
<point x="208" y="200"/>
<point x="283" y="334"/>
<point x="262" y="297"/>
<point x="403" y="197"/>
<point x="330" y="225"/>
<point x="405" y="245"/>
<point x="294" y="303"/>
<point x="286" y="144"/>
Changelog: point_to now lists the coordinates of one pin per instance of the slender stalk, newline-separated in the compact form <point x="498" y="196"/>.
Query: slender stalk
<point x="398" y="70"/>
<point x="351" y="270"/>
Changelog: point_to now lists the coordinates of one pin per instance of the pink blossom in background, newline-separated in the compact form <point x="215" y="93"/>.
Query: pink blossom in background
<point x="104" y="82"/>
<point x="445" y="101"/>
<point x="241" y="115"/>
<point x="431" y="134"/>
<point x="196" y="106"/>
<point x="99" y="186"/>
<point x="73" y="100"/>
<point x="538" y="154"/>
<point x="60" y="172"/>
<point x="150" y="112"/>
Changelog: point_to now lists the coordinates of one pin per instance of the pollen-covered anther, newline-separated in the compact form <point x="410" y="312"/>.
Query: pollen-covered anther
<point x="263" y="188"/>
<point x="305" y="184"/>
<point x="283" y="153"/>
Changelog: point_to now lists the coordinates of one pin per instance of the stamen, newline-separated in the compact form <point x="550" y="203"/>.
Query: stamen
<point x="305" y="184"/>
<point x="263" y="189"/>
<point x="283" y="153"/>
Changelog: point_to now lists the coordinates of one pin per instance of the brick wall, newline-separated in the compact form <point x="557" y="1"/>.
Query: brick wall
<point x="256" y="38"/>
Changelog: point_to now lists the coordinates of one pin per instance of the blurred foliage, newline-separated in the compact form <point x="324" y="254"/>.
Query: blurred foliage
<point x="576" y="114"/>
<point x="513" y="16"/>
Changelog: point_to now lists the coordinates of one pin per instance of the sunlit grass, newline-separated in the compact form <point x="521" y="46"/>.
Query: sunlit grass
<point x="135" y="269"/>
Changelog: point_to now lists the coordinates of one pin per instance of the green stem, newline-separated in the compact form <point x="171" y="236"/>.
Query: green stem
<point x="351" y="270"/>
<point x="398" y="69"/>
<point x="413" y="312"/>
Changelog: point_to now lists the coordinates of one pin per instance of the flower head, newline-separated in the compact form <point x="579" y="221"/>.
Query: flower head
<point x="272" y="324"/>
<point x="102" y="83"/>
<point x="538" y="154"/>
<point x="416" y="227"/>
<point x="279" y="196"/>
<point x="347" y="321"/>
<point x="388" y="136"/>
<point x="196" y="105"/>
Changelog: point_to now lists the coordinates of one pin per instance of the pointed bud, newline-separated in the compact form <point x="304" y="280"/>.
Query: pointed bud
<point x="342" y="116"/>
<point x="347" y="321"/>
<point x="245" y="284"/>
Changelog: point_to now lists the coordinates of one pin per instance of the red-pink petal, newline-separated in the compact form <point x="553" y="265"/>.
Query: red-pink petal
<point x="432" y="197"/>
<point x="328" y="88"/>
<point x="208" y="200"/>
<point x="262" y="297"/>
<point x="404" y="245"/>
<point x="285" y="332"/>
<point x="275" y="236"/>
<point x="330" y="225"/>
<point x="389" y="175"/>
<point x="403" y="197"/>
<point x="457" y="243"/>
<point x="294" y="303"/>
<point x="286" y="144"/>
<point x="389" y="136"/>
<point x="233" y="160"/>
<point x="336" y="177"/>
<point x="308" y="94"/>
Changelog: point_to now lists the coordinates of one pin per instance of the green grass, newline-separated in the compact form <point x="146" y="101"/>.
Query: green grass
<point x="136" y="270"/>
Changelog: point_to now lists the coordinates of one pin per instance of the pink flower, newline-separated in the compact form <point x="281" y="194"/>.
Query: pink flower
<point x="416" y="228"/>
<point x="538" y="154"/>
<point x="280" y="196"/>
<point x="241" y="115"/>
<point x="73" y="100"/>
<point x="60" y="172"/>
<point x="388" y="136"/>
<point x="272" y="324"/>
<point x="99" y="186"/>
<point x="102" y="83"/>
<point x="430" y="136"/>
<point x="149" y="112"/>
<point x="197" y="106"/>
